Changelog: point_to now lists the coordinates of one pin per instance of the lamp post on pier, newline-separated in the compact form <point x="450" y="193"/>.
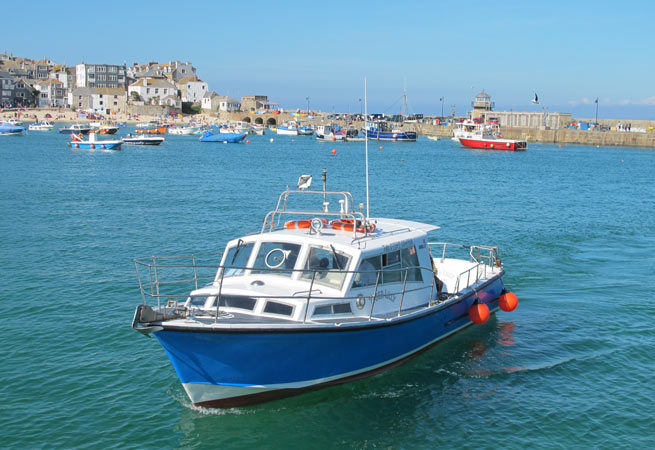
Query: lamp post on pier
<point x="307" y="105"/>
<point x="441" y="99"/>
<point x="597" y="112"/>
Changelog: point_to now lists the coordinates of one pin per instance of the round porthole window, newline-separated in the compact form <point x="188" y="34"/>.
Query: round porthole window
<point x="360" y="302"/>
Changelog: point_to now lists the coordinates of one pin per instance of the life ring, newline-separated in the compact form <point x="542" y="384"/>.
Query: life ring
<point x="350" y="224"/>
<point x="301" y="224"/>
<point x="492" y="145"/>
<point x="507" y="144"/>
<point x="92" y="146"/>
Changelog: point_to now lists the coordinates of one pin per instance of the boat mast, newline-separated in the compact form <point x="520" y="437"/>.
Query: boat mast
<point x="366" y="145"/>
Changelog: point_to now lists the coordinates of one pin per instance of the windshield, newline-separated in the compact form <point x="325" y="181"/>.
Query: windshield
<point x="237" y="257"/>
<point x="276" y="257"/>
<point x="328" y="264"/>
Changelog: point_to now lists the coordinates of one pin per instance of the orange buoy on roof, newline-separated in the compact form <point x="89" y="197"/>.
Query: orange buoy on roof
<point x="351" y="225"/>
<point x="479" y="313"/>
<point x="301" y="224"/>
<point x="297" y="224"/>
<point x="508" y="301"/>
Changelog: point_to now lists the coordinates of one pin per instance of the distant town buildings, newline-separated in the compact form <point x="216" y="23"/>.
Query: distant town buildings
<point x="104" y="88"/>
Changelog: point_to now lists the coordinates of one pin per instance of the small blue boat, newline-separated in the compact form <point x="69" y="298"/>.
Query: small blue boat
<point x="318" y="296"/>
<point x="226" y="138"/>
<point x="8" y="129"/>
<point x="383" y="131"/>
<point x="93" y="143"/>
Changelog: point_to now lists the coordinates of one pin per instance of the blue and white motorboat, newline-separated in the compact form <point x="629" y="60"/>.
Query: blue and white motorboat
<point x="76" y="128"/>
<point x="316" y="297"/>
<point x="41" y="126"/>
<point x="384" y="131"/>
<point x="9" y="129"/>
<point x="142" y="139"/>
<point x="226" y="138"/>
<point x="93" y="143"/>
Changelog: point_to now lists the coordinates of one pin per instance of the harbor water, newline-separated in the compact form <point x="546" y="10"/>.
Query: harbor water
<point x="572" y="367"/>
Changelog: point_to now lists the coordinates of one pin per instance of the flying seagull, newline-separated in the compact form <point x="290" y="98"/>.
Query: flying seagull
<point x="536" y="99"/>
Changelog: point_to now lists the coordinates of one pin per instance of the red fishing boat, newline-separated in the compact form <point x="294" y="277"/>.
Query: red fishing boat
<point x="487" y="137"/>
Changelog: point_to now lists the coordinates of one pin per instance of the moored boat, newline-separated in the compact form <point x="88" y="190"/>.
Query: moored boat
<point x="93" y="143"/>
<point x="487" y="137"/>
<point x="226" y="138"/>
<point x="187" y="130"/>
<point x="160" y="129"/>
<point x="76" y="128"/>
<point x="142" y="140"/>
<point x="384" y="131"/>
<point x="318" y="296"/>
<point x="9" y="129"/>
<point x="41" y="126"/>
<point x="330" y="133"/>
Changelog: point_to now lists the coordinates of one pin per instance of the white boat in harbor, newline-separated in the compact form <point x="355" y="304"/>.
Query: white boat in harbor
<point x="188" y="130"/>
<point x="142" y="139"/>
<point x="41" y="126"/>
<point x="76" y="128"/>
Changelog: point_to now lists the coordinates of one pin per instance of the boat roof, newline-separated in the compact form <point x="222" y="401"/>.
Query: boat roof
<point x="387" y="232"/>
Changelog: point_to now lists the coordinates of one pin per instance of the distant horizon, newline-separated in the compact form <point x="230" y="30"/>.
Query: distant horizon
<point x="569" y="53"/>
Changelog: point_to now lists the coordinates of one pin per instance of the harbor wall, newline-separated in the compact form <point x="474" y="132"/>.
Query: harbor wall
<point x="531" y="134"/>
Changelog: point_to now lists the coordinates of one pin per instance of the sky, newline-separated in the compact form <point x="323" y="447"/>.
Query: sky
<point x="570" y="53"/>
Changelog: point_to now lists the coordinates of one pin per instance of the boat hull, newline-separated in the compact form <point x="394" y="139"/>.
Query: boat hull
<point x="494" y="144"/>
<point x="228" y="367"/>
<point x="409" y="136"/>
<point x="74" y="130"/>
<point x="96" y="145"/>
<point x="287" y="131"/>
<point x="146" y="140"/>
<point x="157" y="130"/>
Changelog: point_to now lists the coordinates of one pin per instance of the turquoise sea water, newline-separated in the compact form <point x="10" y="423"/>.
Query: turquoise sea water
<point x="572" y="367"/>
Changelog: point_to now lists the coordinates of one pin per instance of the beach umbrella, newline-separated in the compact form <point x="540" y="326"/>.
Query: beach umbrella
<point x="48" y="116"/>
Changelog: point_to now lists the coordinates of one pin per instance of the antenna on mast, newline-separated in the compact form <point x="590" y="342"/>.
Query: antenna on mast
<point x="366" y="144"/>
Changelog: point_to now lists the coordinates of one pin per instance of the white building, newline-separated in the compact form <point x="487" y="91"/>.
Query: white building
<point x="192" y="89"/>
<point x="152" y="89"/>
<point x="51" y="93"/>
<point x="228" y="104"/>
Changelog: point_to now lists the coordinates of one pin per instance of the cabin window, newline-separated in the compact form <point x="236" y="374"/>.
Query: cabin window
<point x="409" y="258"/>
<point x="392" y="267"/>
<point x="329" y="265"/>
<point x="197" y="300"/>
<point x="236" y="301"/>
<point x="237" y="258"/>
<point x="278" y="308"/>
<point x="277" y="258"/>
<point x="337" y="308"/>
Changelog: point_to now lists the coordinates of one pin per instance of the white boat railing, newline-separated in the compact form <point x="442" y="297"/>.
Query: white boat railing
<point x="168" y="280"/>
<point x="485" y="256"/>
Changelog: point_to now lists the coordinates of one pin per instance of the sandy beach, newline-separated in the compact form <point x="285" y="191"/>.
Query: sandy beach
<point x="31" y="115"/>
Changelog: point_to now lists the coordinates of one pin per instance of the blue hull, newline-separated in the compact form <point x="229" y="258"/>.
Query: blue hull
<point x="95" y="146"/>
<point x="286" y="362"/>
<point x="228" y="138"/>
<point x="390" y="136"/>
